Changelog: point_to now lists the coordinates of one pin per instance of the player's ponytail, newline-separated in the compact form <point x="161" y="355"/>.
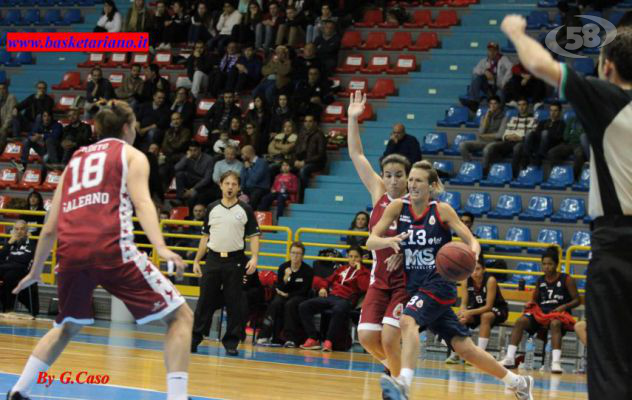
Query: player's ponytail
<point x="433" y="177"/>
<point x="111" y="119"/>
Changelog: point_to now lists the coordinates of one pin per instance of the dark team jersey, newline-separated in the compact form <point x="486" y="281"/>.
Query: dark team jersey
<point x="427" y="235"/>
<point x="554" y="294"/>
<point x="477" y="297"/>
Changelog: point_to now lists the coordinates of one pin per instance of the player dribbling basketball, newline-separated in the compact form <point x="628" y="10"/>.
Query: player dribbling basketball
<point x="423" y="227"/>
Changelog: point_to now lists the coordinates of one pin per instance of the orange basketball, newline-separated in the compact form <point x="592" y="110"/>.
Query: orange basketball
<point x="455" y="261"/>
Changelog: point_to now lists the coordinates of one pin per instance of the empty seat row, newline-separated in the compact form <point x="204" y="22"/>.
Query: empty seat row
<point x="72" y="80"/>
<point x="164" y="59"/>
<point x="420" y="18"/>
<point x="35" y="17"/>
<point x="383" y="87"/>
<point x="378" y="63"/>
<point x="16" y="59"/>
<point x="523" y="234"/>
<point x="49" y="3"/>
<point x="31" y="179"/>
<point x="400" y="41"/>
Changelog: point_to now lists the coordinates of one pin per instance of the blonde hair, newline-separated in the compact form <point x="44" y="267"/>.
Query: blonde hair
<point x="433" y="177"/>
<point x="111" y="118"/>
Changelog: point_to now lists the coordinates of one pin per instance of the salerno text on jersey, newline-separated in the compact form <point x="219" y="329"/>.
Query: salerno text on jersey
<point x="86" y="200"/>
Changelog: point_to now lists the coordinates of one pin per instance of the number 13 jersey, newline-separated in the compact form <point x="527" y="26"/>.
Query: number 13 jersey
<point x="95" y="217"/>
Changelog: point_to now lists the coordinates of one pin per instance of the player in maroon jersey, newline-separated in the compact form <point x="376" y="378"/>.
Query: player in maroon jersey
<point x="91" y="217"/>
<point x="378" y="329"/>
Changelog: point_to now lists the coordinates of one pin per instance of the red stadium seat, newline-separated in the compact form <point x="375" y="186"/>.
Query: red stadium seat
<point x="4" y="202"/>
<point x="420" y="19"/>
<point x="71" y="80"/>
<point x="12" y="151"/>
<point x="51" y="181"/>
<point x="263" y="217"/>
<point x="30" y="179"/>
<point x="334" y="112"/>
<point x="361" y="84"/>
<point x="8" y="177"/>
<point x="425" y="41"/>
<point x="371" y="18"/>
<point x="353" y="63"/>
<point x="47" y="203"/>
<point x="116" y="60"/>
<point x="180" y="213"/>
<point x="405" y="64"/>
<point x="383" y="87"/>
<point x="445" y="19"/>
<point x="138" y="58"/>
<point x="201" y="136"/>
<point x="116" y="79"/>
<point x="351" y="40"/>
<point x="375" y="40"/>
<point x="162" y="58"/>
<point x="399" y="41"/>
<point x="203" y="106"/>
<point x="171" y="191"/>
<point x="379" y="63"/>
<point x="183" y="80"/>
<point x="65" y="102"/>
<point x="93" y="60"/>
<point x="367" y="114"/>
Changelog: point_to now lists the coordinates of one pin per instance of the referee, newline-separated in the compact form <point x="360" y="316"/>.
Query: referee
<point x="227" y="224"/>
<point x="604" y="107"/>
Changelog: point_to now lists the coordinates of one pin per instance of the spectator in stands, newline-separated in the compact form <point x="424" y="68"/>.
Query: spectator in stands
<point x="314" y="30"/>
<point x="523" y="84"/>
<point x="99" y="88"/>
<point x="260" y="115"/>
<point x="251" y="29"/>
<point x="490" y="75"/>
<point x="229" y="18"/>
<point x="339" y="293"/>
<point x="310" y="153"/>
<point x="174" y="145"/>
<point x="281" y="112"/>
<point x="292" y="31"/>
<point x="360" y="223"/>
<point x="255" y="176"/>
<point x="152" y="120"/>
<point x="328" y="46"/>
<point x="132" y="86"/>
<point x="571" y="144"/>
<point x="218" y="117"/>
<point x="197" y="214"/>
<point x="201" y="24"/>
<point x="194" y="176"/>
<point x="74" y="135"/>
<point x="547" y="134"/>
<point x="488" y="130"/>
<point x="276" y="74"/>
<point x="224" y="141"/>
<point x="284" y="189"/>
<point x="513" y="131"/>
<point x="176" y="26"/>
<point x="313" y="95"/>
<point x="111" y="20"/>
<point x="294" y="281"/>
<point x="281" y="147"/>
<point x="236" y="130"/>
<point x="45" y="139"/>
<point x="224" y="78"/>
<point x="199" y="66"/>
<point x="7" y="104"/>
<point x="153" y="83"/>
<point x="184" y="106"/>
<point x="468" y="219"/>
<point x="34" y="202"/>
<point x="229" y="163"/>
<point x="271" y="23"/>
<point x="555" y="295"/>
<point x="30" y="109"/>
<point x="402" y="143"/>
<point x="16" y="257"/>
<point x="138" y="18"/>
<point x="157" y="36"/>
<point x="250" y="135"/>
<point x="305" y="61"/>
<point x="249" y="67"/>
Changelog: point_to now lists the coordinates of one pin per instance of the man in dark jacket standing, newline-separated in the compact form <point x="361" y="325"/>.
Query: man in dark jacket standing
<point x="311" y="152"/>
<point x="15" y="259"/>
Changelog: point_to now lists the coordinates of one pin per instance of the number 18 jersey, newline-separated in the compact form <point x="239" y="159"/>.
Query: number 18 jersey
<point x="95" y="217"/>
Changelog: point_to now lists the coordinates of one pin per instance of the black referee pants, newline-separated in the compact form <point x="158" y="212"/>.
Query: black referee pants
<point x="608" y="312"/>
<point x="222" y="284"/>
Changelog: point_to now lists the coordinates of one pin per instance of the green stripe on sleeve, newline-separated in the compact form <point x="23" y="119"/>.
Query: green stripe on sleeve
<point x="562" y="83"/>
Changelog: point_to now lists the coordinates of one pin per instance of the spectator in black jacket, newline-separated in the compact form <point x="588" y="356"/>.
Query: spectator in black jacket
<point x="302" y="63"/>
<point x="152" y="119"/>
<point x="98" y="88"/>
<point x="15" y="259"/>
<point x="310" y="153"/>
<point x="547" y="134"/>
<point x="294" y="281"/>
<point x="224" y="77"/>
<point x="199" y="66"/>
<point x="45" y="139"/>
<point x="177" y="26"/>
<point x="249" y="66"/>
<point x="34" y="202"/>
<point x="194" y="173"/>
<point x="218" y="117"/>
<point x="30" y="109"/>
<point x="328" y="46"/>
<point x="153" y="83"/>
<point x="313" y="95"/>
<point x="403" y="143"/>
<point x="156" y="26"/>
<point x="182" y="104"/>
<point x="74" y="135"/>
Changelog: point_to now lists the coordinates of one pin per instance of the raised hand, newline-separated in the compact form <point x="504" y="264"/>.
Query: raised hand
<point x="513" y="24"/>
<point x="357" y="101"/>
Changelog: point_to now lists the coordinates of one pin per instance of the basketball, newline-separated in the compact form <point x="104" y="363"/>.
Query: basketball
<point x="455" y="261"/>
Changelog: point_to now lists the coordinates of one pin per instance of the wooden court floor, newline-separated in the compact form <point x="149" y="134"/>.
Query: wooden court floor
<point x="132" y="359"/>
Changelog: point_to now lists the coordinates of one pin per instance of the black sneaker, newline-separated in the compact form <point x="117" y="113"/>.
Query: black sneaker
<point x="16" y="396"/>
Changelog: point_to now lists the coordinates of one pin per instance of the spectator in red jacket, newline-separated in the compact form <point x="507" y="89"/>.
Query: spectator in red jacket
<point x="339" y="293"/>
<point x="284" y="188"/>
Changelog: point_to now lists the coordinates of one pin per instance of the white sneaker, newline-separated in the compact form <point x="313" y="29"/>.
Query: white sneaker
<point x="524" y="390"/>
<point x="556" y="367"/>
<point x="263" y="341"/>
<point x="508" y="362"/>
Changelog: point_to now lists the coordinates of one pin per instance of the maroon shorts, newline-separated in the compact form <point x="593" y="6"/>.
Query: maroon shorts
<point x="146" y="292"/>
<point x="382" y="306"/>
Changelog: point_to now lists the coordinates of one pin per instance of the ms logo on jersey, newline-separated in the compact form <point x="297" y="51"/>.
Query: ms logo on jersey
<point x="419" y="259"/>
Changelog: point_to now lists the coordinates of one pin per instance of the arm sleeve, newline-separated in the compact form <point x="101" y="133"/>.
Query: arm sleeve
<point x="252" y="226"/>
<point x="280" y="283"/>
<point x="206" y="229"/>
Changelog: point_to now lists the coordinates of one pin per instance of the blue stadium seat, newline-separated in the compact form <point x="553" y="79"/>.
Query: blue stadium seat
<point x="547" y="3"/>
<point x="86" y="3"/>
<point x="13" y="17"/>
<point x="551" y="236"/>
<point x="453" y="150"/>
<point x="509" y="47"/>
<point x="584" y="66"/>
<point x="539" y="208"/>
<point x="529" y="177"/>
<point x="581" y="284"/>
<point x="72" y="16"/>
<point x="31" y="17"/>
<point x="515" y="234"/>
<point x="469" y="174"/>
<point x="51" y="17"/>
<point x="476" y="122"/>
<point x="434" y="142"/>
<point x="499" y="175"/>
<point x="3" y="76"/>
<point x="455" y="116"/>
<point x="478" y="203"/>
<point x="67" y="3"/>
<point x="445" y="166"/>
<point x="508" y="206"/>
<point x="511" y="112"/>
<point x="615" y="17"/>
<point x="570" y="210"/>
<point x="26" y="3"/>
<point x="541" y="113"/>
<point x="560" y="178"/>
<point x="489" y="232"/>
<point x="585" y="21"/>
<point x="526" y="267"/>
<point x="537" y="20"/>
<point x="5" y="57"/>
<point x="568" y="114"/>
<point x="580" y="238"/>
<point x="22" y="58"/>
<point x="46" y="3"/>
<point x="583" y="184"/>
<point x="452" y="198"/>
<point x="557" y="21"/>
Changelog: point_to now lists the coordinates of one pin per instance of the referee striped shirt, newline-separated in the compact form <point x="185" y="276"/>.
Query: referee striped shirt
<point x="605" y="111"/>
<point x="228" y="227"/>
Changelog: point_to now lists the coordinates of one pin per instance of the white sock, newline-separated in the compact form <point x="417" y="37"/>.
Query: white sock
<point x="512" y="380"/>
<point x="557" y="355"/>
<point x="385" y="363"/>
<point x="406" y="376"/>
<point x="511" y="352"/>
<point x="29" y="376"/>
<point x="482" y="343"/>
<point x="177" y="385"/>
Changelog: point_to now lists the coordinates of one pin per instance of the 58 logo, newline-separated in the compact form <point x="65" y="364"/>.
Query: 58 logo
<point x="582" y="36"/>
